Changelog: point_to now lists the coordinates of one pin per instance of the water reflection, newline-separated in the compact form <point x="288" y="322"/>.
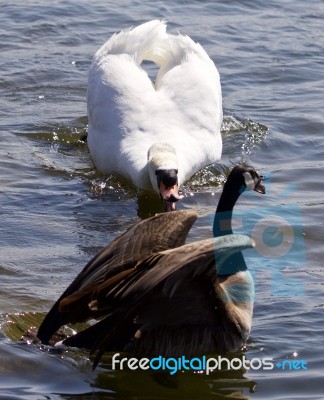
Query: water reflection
<point x="220" y="384"/>
<point x="69" y="372"/>
<point x="25" y="371"/>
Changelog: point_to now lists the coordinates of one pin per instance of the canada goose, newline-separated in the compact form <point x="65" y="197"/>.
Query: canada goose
<point x="155" y="295"/>
<point x="156" y="134"/>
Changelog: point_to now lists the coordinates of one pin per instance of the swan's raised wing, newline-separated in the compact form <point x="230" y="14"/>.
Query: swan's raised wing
<point x="114" y="263"/>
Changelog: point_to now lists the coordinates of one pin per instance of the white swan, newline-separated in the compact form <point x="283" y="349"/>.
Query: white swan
<point x="159" y="134"/>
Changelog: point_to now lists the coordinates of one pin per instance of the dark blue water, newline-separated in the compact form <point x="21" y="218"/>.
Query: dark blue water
<point x="57" y="211"/>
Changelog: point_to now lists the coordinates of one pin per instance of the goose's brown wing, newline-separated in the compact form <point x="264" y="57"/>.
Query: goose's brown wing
<point x="114" y="263"/>
<point x="170" y="267"/>
<point x="162" y="273"/>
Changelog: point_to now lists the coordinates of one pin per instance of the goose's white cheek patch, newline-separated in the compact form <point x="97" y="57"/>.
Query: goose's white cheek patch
<point x="249" y="182"/>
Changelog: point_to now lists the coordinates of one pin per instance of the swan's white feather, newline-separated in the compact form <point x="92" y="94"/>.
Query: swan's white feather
<point x="128" y="113"/>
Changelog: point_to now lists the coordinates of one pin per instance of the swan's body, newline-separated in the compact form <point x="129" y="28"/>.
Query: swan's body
<point x="156" y="295"/>
<point x="128" y="113"/>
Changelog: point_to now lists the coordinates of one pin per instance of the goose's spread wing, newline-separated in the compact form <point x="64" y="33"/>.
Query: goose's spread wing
<point x="170" y="267"/>
<point x="150" y="289"/>
<point x="114" y="263"/>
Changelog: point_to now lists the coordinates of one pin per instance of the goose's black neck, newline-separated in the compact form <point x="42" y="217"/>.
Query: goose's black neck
<point x="223" y="217"/>
<point x="232" y="190"/>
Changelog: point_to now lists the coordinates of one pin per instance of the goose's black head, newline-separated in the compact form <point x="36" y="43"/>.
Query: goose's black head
<point x="245" y="177"/>
<point x="241" y="178"/>
<point x="167" y="182"/>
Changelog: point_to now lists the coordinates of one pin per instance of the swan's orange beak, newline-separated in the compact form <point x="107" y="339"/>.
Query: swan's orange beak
<point x="170" y="195"/>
